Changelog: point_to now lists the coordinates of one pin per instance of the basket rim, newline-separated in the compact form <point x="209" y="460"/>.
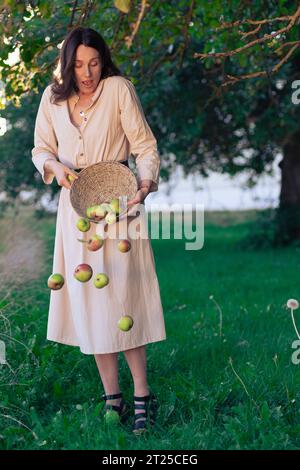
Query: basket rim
<point x="125" y="170"/>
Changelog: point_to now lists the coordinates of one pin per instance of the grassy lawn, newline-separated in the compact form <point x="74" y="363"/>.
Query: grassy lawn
<point x="224" y="377"/>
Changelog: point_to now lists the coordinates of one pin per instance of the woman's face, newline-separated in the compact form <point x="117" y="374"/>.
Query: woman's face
<point x="87" y="69"/>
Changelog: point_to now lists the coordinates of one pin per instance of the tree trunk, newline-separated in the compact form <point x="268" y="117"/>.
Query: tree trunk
<point x="288" y="212"/>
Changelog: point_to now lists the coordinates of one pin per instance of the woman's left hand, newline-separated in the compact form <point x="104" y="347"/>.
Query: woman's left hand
<point x="139" y="197"/>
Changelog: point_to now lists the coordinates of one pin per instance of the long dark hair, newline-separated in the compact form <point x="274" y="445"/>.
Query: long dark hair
<point x="63" y="81"/>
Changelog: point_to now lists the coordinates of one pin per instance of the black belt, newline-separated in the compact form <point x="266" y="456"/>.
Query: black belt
<point x="125" y="162"/>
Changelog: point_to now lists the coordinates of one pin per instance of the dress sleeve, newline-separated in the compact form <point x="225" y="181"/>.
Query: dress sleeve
<point x="45" y="142"/>
<point x="143" y="145"/>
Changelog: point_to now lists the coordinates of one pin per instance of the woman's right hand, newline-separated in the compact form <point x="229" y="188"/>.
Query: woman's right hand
<point x="60" y="172"/>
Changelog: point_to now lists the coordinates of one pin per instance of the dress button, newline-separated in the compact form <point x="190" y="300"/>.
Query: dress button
<point x="80" y="137"/>
<point x="81" y="154"/>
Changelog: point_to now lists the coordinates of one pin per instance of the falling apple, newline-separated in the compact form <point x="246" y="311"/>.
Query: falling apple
<point x="100" y="212"/>
<point x="125" y="323"/>
<point x="115" y="206"/>
<point x="101" y="280"/>
<point x="83" y="224"/>
<point x="124" y="246"/>
<point x="106" y="207"/>
<point x="83" y="272"/>
<point x="111" y="218"/>
<point x="56" y="281"/>
<point x="94" y="243"/>
<point x="90" y="212"/>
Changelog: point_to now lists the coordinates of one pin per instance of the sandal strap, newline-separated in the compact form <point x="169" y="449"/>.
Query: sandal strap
<point x="146" y="398"/>
<point x="139" y="407"/>
<point x="114" y="407"/>
<point x="112" y="397"/>
<point x="140" y="425"/>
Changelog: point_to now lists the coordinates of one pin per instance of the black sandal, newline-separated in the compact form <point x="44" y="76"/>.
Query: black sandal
<point x="145" y="419"/>
<point x="121" y="409"/>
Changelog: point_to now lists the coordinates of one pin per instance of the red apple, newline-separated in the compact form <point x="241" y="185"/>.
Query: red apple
<point x="55" y="281"/>
<point x="83" y="272"/>
<point x="124" y="246"/>
<point x="95" y="243"/>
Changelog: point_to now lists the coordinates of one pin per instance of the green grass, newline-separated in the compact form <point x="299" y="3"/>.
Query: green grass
<point x="228" y="385"/>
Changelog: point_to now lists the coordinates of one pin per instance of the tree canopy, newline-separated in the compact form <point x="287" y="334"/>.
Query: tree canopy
<point x="215" y="78"/>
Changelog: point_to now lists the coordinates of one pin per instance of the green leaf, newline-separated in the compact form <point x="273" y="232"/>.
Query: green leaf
<point x="45" y="9"/>
<point x="26" y="54"/>
<point x="123" y="5"/>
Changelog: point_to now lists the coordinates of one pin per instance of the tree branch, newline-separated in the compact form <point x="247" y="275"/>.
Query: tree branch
<point x="70" y="25"/>
<point x="136" y="25"/>
<point x="232" y="79"/>
<point x="185" y="31"/>
<point x="265" y="38"/>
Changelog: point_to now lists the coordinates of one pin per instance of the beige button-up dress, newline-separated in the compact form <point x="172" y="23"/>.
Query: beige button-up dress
<point x="79" y="313"/>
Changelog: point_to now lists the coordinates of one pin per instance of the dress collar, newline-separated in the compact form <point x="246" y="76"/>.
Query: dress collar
<point x="75" y="97"/>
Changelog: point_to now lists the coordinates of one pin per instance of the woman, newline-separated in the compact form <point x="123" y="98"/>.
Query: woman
<point x="91" y="113"/>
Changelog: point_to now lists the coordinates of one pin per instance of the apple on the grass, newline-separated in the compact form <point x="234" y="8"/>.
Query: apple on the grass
<point x="83" y="224"/>
<point x="83" y="272"/>
<point x="55" y="281"/>
<point x="125" y="323"/>
<point x="111" y="417"/>
<point x="124" y="246"/>
<point x="101" y="280"/>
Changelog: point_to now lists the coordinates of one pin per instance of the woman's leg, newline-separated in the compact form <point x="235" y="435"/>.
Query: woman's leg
<point x="137" y="362"/>
<point x="108" y="369"/>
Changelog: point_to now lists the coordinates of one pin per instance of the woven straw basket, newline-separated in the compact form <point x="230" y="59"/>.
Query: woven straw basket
<point x="100" y="183"/>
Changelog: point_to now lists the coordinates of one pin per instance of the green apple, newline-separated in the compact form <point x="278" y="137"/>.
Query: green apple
<point x="55" y="281"/>
<point x="115" y="206"/>
<point x="106" y="206"/>
<point x="70" y="178"/>
<point x="100" y="212"/>
<point x="125" y="323"/>
<point x="111" y="417"/>
<point x="124" y="246"/>
<point x="83" y="224"/>
<point x="83" y="272"/>
<point x="111" y="218"/>
<point x="101" y="280"/>
<point x="90" y="212"/>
